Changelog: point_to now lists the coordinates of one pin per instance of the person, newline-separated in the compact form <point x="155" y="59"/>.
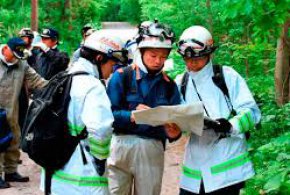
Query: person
<point x="137" y="151"/>
<point x="13" y="73"/>
<point x="50" y="60"/>
<point x="86" y="31"/>
<point x="216" y="162"/>
<point x="89" y="109"/>
<point x="27" y="36"/>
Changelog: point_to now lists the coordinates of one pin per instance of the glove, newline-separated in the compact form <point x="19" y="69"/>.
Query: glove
<point x="100" y="166"/>
<point x="41" y="46"/>
<point x="223" y="127"/>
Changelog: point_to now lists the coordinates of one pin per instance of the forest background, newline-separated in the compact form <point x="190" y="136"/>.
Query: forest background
<point x="253" y="38"/>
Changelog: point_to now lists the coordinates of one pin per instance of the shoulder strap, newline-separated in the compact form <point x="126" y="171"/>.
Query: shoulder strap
<point x="219" y="80"/>
<point x="127" y="80"/>
<point x="79" y="73"/>
<point x="127" y="75"/>
<point x="169" y="84"/>
<point x="184" y="82"/>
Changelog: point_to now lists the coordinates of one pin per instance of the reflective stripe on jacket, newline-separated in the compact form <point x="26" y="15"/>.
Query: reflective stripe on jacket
<point x="89" y="107"/>
<point x="219" y="162"/>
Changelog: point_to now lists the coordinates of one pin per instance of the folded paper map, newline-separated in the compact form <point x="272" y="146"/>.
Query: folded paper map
<point x="188" y="117"/>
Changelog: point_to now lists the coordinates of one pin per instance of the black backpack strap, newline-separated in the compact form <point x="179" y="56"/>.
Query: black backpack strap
<point x="79" y="73"/>
<point x="219" y="80"/>
<point x="128" y="85"/>
<point x="47" y="181"/>
<point x="81" y="136"/>
<point x="184" y="82"/>
<point x="170" y="84"/>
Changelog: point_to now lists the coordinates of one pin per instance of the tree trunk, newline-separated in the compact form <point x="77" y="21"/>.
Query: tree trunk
<point x="282" y="67"/>
<point x="210" y="20"/>
<point x="34" y="15"/>
<point x="66" y="10"/>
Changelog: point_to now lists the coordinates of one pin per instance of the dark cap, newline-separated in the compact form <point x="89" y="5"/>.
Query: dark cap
<point x="49" y="33"/>
<point x="17" y="45"/>
<point x="86" y="28"/>
<point x="26" y="32"/>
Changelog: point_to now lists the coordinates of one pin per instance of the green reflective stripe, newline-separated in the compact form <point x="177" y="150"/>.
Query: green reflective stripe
<point x="99" y="151"/>
<point x="250" y="119"/>
<point x="244" y="122"/>
<point x="195" y="174"/>
<point x="80" y="181"/>
<point x="100" y="143"/>
<point x="74" y="129"/>
<point x="230" y="164"/>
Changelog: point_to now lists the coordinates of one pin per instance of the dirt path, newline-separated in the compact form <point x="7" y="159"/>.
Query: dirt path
<point x="173" y="160"/>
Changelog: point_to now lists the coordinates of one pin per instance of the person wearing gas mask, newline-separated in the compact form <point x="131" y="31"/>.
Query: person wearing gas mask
<point x="216" y="162"/>
<point x="14" y="70"/>
<point x="89" y="111"/>
<point x="137" y="151"/>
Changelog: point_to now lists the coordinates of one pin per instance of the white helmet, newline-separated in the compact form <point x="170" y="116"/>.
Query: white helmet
<point x="196" y="41"/>
<point x="110" y="45"/>
<point x="26" y="32"/>
<point x="155" y="35"/>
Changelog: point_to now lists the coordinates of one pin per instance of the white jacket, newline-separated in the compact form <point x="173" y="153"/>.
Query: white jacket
<point x="219" y="162"/>
<point x="89" y="107"/>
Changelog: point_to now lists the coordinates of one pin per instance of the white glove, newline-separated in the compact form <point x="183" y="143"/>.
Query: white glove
<point x="41" y="46"/>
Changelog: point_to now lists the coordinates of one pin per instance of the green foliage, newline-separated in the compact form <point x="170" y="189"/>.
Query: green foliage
<point x="266" y="17"/>
<point x="245" y="30"/>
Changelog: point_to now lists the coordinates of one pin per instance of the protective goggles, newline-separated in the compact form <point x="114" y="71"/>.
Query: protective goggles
<point x="122" y="53"/>
<point x="158" y="30"/>
<point x="194" y="49"/>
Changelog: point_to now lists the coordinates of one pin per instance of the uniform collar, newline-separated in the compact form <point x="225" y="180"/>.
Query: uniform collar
<point x="203" y="74"/>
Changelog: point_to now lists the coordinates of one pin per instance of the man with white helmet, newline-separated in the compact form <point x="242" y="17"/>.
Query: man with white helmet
<point x="137" y="151"/>
<point x="216" y="162"/>
<point x="89" y="110"/>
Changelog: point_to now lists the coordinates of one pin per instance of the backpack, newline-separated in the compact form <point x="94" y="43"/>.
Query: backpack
<point x="6" y="135"/>
<point x="219" y="80"/>
<point x="46" y="137"/>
